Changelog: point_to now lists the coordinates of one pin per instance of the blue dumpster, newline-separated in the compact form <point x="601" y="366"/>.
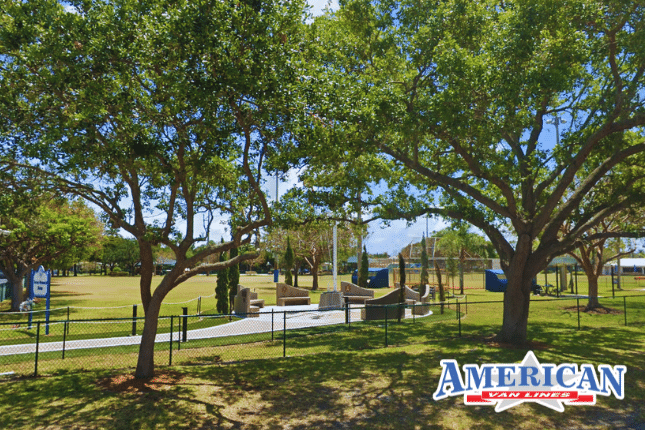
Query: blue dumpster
<point x="496" y="281"/>
<point x="377" y="278"/>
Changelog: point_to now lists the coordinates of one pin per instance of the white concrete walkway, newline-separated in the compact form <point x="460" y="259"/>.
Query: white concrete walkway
<point x="295" y="317"/>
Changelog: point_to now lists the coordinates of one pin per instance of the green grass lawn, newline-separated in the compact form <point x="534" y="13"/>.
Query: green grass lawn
<point x="95" y="297"/>
<point x="340" y="382"/>
<point x="333" y="377"/>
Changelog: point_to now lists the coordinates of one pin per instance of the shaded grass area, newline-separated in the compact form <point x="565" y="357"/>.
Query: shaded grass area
<point x="336" y="377"/>
<point x="382" y="388"/>
<point x="311" y="340"/>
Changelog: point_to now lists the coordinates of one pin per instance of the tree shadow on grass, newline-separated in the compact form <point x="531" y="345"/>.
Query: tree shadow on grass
<point x="383" y="388"/>
<point x="78" y="400"/>
<point x="63" y="294"/>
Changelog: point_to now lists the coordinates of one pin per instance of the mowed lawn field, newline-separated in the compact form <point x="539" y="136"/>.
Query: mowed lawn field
<point x="113" y="297"/>
<point x="344" y="387"/>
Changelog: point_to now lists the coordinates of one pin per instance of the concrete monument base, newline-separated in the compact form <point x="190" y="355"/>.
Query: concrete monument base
<point x="331" y="300"/>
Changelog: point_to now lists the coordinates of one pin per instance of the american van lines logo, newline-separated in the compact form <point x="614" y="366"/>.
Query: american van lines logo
<point x="508" y="385"/>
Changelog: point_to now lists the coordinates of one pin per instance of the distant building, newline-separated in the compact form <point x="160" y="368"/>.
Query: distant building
<point x="628" y="266"/>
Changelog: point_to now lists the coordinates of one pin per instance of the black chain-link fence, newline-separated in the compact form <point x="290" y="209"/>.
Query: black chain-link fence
<point x="68" y="345"/>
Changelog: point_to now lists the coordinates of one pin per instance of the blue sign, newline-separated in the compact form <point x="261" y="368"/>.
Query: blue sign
<point x="40" y="282"/>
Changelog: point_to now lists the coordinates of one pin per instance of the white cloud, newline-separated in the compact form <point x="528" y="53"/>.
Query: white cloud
<point x="398" y="234"/>
<point x="317" y="6"/>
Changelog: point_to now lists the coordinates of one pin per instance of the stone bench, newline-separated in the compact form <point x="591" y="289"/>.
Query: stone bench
<point x="258" y="303"/>
<point x="242" y="303"/>
<point x="352" y="293"/>
<point x="286" y="301"/>
<point x="356" y="299"/>
<point x="377" y="309"/>
<point x="424" y="300"/>
<point x="286" y="295"/>
<point x="253" y="297"/>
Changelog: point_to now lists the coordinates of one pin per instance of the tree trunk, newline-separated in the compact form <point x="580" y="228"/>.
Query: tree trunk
<point x="314" y="274"/>
<point x="593" y="292"/>
<point x="17" y="290"/>
<point x="516" y="309"/>
<point x="145" y="363"/>
<point x="442" y="295"/>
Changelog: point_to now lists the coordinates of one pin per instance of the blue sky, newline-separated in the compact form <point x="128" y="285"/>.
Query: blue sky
<point x="319" y="5"/>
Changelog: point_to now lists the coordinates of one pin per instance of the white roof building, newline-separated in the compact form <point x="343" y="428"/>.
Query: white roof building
<point x="628" y="262"/>
<point x="627" y="265"/>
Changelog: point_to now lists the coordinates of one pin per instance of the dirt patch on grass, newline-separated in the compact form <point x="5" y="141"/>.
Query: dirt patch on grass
<point x="601" y="310"/>
<point x="532" y="344"/>
<point x="127" y="383"/>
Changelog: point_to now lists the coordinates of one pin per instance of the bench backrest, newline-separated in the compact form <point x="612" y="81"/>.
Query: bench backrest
<point x="393" y="297"/>
<point x="349" y="289"/>
<point x="252" y="295"/>
<point x="284" y="290"/>
<point x="242" y="301"/>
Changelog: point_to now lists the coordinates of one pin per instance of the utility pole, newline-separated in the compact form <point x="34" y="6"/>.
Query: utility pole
<point x="557" y="121"/>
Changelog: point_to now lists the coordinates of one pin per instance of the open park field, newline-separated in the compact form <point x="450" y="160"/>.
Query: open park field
<point x="113" y="297"/>
<point x="96" y="297"/>
<point x="332" y="379"/>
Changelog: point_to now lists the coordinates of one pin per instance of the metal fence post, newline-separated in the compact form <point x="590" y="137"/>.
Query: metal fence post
<point x="172" y="325"/>
<point x="625" y="308"/>
<point x="346" y="311"/>
<point x="37" y="347"/>
<point x="578" y="309"/>
<point x="134" y="320"/>
<point x="185" y="325"/>
<point x="64" y="337"/>
<point x="178" y="333"/>
<point x="284" y="334"/>
<point x="272" y="324"/>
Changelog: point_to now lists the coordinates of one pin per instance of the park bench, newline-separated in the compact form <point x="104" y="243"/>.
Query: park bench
<point x="242" y="303"/>
<point x="286" y="295"/>
<point x="376" y="309"/>
<point x="253" y="297"/>
<point x="352" y="293"/>
<point x="411" y="297"/>
<point x="424" y="300"/>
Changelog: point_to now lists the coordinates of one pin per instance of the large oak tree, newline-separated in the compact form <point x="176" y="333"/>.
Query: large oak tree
<point x="156" y="112"/>
<point x="456" y="95"/>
